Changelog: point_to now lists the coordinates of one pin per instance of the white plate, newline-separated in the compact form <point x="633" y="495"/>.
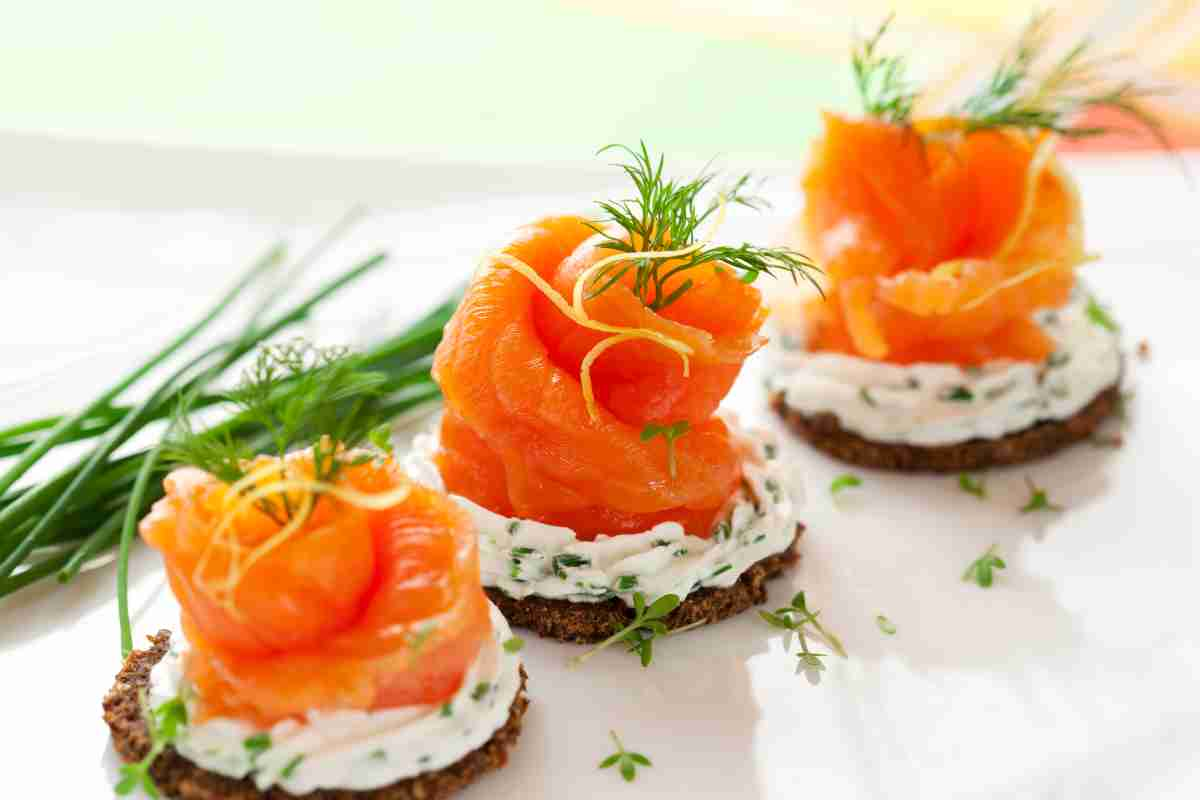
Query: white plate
<point x="1075" y="676"/>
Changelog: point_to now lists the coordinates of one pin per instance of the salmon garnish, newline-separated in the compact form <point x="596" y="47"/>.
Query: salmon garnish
<point x="358" y="607"/>
<point x="941" y="236"/>
<point x="576" y="336"/>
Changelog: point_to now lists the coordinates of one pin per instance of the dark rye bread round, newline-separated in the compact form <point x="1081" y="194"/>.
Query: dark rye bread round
<point x="824" y="432"/>
<point x="179" y="778"/>
<point x="585" y="623"/>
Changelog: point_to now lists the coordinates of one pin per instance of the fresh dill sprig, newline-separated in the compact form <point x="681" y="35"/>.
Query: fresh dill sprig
<point x="162" y="725"/>
<point x="666" y="215"/>
<point x="1019" y="93"/>
<point x="624" y="760"/>
<point x="795" y="619"/>
<point x="296" y="392"/>
<point x="219" y="454"/>
<point x="882" y="85"/>
<point x="1016" y="95"/>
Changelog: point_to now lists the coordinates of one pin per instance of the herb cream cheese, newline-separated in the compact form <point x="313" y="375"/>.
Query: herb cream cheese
<point x="523" y="557"/>
<point x="352" y="749"/>
<point x="942" y="404"/>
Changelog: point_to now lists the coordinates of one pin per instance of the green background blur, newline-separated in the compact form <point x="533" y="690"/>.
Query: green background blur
<point x="524" y="80"/>
<point x="516" y="80"/>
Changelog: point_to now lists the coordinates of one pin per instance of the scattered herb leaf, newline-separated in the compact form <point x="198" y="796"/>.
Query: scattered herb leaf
<point x="647" y="625"/>
<point x="959" y="394"/>
<point x="972" y="485"/>
<point x="514" y="644"/>
<point x="625" y="761"/>
<point x="257" y="744"/>
<point x="794" y="619"/>
<point x="290" y="768"/>
<point x="885" y="625"/>
<point x="1039" y="500"/>
<point x="981" y="569"/>
<point x="381" y="437"/>
<point x="1099" y="315"/>
<point x="843" y="482"/>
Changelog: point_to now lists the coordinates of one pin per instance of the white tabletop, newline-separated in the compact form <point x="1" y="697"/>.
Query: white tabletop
<point x="1075" y="676"/>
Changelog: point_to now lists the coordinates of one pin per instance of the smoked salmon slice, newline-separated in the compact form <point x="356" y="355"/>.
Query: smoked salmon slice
<point x="518" y="436"/>
<point x="355" y="609"/>
<point x="939" y="242"/>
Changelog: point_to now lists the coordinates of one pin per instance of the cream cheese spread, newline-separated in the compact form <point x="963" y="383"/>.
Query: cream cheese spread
<point x="523" y="557"/>
<point x="352" y="749"/>
<point x="941" y="404"/>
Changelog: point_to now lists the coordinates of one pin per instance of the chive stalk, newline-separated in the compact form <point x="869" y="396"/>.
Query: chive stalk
<point x="64" y="427"/>
<point x="95" y="504"/>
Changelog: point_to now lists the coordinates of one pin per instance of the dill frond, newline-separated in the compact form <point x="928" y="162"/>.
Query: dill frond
<point x="217" y="452"/>
<point x="666" y="214"/>
<point x="294" y="392"/>
<point x="1019" y="95"/>
<point x="882" y="84"/>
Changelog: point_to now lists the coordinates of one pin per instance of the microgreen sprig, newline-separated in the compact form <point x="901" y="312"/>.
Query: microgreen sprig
<point x="843" y="482"/>
<point x="1099" y="315"/>
<point x="624" y="760"/>
<point x="981" y="569"/>
<point x="800" y="623"/>
<point x="381" y="437"/>
<point x="647" y="625"/>
<point x="163" y="724"/>
<point x="666" y="215"/>
<point x="972" y="485"/>
<point x="670" y="433"/>
<point x="1039" y="499"/>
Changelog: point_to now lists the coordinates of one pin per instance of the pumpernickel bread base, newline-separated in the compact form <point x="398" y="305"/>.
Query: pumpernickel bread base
<point x="179" y="778"/>
<point x="585" y="623"/>
<point x="824" y="432"/>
